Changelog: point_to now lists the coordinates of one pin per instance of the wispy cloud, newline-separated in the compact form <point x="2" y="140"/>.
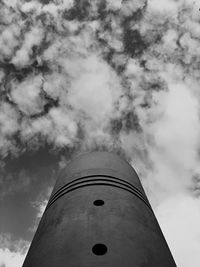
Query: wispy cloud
<point x="12" y="252"/>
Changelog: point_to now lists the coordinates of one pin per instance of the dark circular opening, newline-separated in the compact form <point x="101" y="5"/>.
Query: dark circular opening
<point x="99" y="249"/>
<point x="98" y="202"/>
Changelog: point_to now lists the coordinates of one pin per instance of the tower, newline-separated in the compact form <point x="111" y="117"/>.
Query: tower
<point x="98" y="216"/>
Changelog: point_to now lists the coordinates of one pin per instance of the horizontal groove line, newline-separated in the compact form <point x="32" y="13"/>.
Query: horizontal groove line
<point x="92" y="176"/>
<point x="67" y="186"/>
<point x="94" y="184"/>
<point x="83" y="184"/>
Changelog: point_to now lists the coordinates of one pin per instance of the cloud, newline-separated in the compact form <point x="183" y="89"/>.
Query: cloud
<point x="176" y="139"/>
<point x="12" y="252"/>
<point x="27" y="95"/>
<point x="10" y="259"/>
<point x="32" y="39"/>
<point x="63" y="80"/>
<point x="169" y="6"/>
<point x="96" y="80"/>
<point x="40" y="204"/>
<point x="8" y="127"/>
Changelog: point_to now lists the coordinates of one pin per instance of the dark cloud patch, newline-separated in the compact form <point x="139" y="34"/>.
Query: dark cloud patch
<point x="134" y="43"/>
<point x="45" y="2"/>
<point x="102" y="10"/>
<point x="49" y="103"/>
<point x="109" y="55"/>
<point x="154" y="84"/>
<point x="116" y="126"/>
<point x="135" y="16"/>
<point x="127" y="123"/>
<point x="146" y="104"/>
<point x="12" y="72"/>
<point x="43" y="67"/>
<point x="80" y="11"/>
<point x="195" y="188"/>
<point x="86" y="10"/>
<point x="131" y="122"/>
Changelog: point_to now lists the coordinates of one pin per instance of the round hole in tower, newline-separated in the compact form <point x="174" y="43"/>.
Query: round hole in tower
<point x="98" y="202"/>
<point x="99" y="249"/>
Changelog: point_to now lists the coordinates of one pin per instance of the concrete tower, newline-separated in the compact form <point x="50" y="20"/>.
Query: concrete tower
<point x="98" y="216"/>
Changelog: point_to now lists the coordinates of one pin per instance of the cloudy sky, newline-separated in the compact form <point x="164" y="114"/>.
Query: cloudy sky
<point x="81" y="75"/>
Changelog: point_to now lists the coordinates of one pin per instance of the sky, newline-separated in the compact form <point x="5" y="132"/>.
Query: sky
<point x="78" y="76"/>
